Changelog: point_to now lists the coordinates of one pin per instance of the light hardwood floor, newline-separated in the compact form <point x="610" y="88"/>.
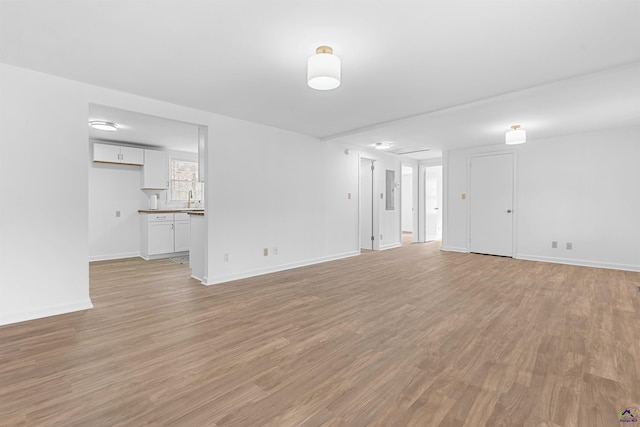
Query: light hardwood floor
<point x="409" y="336"/>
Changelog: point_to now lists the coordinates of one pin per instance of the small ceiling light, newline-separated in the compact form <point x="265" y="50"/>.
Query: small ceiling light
<point x="102" y="125"/>
<point x="382" y="146"/>
<point x="323" y="69"/>
<point x="515" y="136"/>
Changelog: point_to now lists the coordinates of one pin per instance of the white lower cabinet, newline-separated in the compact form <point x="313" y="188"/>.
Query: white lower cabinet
<point x="160" y="238"/>
<point x="182" y="232"/>
<point x="164" y="235"/>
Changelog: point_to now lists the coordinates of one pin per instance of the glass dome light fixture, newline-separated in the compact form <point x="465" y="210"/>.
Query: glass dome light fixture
<point x="515" y="136"/>
<point x="102" y="125"/>
<point x="323" y="69"/>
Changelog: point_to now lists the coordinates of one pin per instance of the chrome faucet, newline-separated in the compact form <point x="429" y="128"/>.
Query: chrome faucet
<point x="189" y="198"/>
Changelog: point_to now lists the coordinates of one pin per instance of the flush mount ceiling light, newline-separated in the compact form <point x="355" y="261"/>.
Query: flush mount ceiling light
<point x="102" y="125"/>
<point x="515" y="136"/>
<point x="323" y="69"/>
<point x="382" y="146"/>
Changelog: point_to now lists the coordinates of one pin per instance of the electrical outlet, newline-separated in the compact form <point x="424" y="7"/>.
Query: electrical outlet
<point x="275" y="250"/>
<point x="265" y="251"/>
<point x="349" y="196"/>
<point x="381" y="237"/>
<point x="463" y="196"/>
<point x="554" y="244"/>
<point x="226" y="257"/>
<point x="117" y="214"/>
<point x="569" y="245"/>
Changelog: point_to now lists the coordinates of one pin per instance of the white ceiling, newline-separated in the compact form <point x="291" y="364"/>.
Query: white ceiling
<point x="144" y="129"/>
<point x="440" y="74"/>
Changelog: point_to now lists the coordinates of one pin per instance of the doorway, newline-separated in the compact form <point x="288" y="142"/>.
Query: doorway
<point x="117" y="191"/>
<point x="367" y="168"/>
<point x="433" y="203"/>
<point x="407" y="219"/>
<point x="491" y="204"/>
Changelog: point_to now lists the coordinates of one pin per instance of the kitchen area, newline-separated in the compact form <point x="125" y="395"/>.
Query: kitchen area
<point x="146" y="189"/>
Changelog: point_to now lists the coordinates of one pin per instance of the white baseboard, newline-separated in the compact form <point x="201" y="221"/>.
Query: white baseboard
<point x="578" y="262"/>
<point x="454" y="249"/>
<point x="23" y="316"/>
<point x="390" y="246"/>
<point x="164" y="256"/>
<point x="259" y="272"/>
<point x="108" y="257"/>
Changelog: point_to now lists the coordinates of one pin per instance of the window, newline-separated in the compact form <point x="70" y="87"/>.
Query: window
<point x="183" y="175"/>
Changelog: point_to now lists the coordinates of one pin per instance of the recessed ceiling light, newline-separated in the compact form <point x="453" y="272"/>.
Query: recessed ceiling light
<point x="382" y="146"/>
<point x="102" y="125"/>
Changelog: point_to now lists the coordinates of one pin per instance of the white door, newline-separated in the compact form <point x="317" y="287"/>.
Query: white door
<point x="433" y="202"/>
<point x="366" y="204"/>
<point x="491" y="204"/>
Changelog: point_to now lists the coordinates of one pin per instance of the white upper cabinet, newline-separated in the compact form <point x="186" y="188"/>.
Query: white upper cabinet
<point x="132" y="156"/>
<point x="155" y="174"/>
<point x="104" y="153"/>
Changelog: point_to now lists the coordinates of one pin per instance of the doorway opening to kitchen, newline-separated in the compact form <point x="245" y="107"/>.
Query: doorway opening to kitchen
<point x="146" y="181"/>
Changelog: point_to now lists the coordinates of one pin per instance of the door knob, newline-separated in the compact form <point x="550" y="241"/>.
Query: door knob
<point x="508" y="210"/>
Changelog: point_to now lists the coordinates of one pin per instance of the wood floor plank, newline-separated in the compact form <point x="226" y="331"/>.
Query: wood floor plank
<point x="405" y="337"/>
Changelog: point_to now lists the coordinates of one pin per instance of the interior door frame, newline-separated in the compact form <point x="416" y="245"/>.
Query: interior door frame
<point x="415" y="226"/>
<point x="375" y="205"/>
<point x="422" y="219"/>
<point x="439" y="196"/>
<point x="515" y="208"/>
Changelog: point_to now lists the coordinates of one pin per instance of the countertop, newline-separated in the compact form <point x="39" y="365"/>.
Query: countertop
<point x="176" y="210"/>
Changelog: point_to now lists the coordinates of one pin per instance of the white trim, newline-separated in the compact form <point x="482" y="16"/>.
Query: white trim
<point x="454" y="249"/>
<point x="445" y="197"/>
<point x="261" y="271"/>
<point x="415" y="225"/>
<point x="389" y="246"/>
<point x="123" y="255"/>
<point x="164" y="256"/>
<point x="579" y="262"/>
<point x="45" y="312"/>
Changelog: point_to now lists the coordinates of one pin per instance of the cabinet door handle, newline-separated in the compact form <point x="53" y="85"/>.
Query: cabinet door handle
<point x="172" y="226"/>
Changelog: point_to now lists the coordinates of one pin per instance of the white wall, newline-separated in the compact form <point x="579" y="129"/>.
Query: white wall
<point x="43" y="186"/>
<point x="580" y="188"/>
<point x="273" y="188"/>
<point x="115" y="188"/>
<point x="44" y="177"/>
<point x="266" y="187"/>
